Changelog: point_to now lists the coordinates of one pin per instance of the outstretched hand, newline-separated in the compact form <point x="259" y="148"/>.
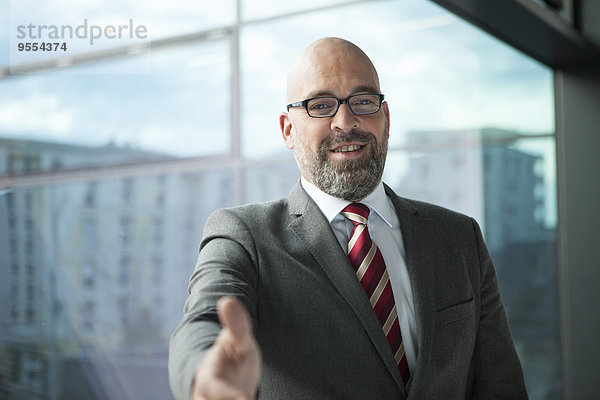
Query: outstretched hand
<point x="231" y="367"/>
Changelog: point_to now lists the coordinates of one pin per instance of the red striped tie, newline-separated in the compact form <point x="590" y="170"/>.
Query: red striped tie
<point x="367" y="261"/>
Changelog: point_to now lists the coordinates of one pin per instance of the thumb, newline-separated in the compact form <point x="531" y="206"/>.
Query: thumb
<point x="234" y="317"/>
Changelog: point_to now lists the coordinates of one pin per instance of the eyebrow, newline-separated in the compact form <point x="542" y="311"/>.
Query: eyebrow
<point x="354" y="90"/>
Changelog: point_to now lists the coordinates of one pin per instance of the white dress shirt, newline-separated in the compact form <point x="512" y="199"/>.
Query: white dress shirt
<point x="384" y="229"/>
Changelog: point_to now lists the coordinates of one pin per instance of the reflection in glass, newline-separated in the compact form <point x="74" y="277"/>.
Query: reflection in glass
<point x="60" y="120"/>
<point x="507" y="183"/>
<point x="253" y="9"/>
<point x="271" y="181"/>
<point x="442" y="73"/>
<point x="93" y="322"/>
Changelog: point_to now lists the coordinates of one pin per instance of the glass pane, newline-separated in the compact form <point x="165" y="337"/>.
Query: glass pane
<point x="93" y="282"/>
<point x="437" y="71"/>
<point x="472" y="129"/>
<point x="4" y="34"/>
<point x="93" y="273"/>
<point x="508" y="184"/>
<point x="273" y="180"/>
<point x="179" y="109"/>
<point x="183" y="16"/>
<point x="253" y="9"/>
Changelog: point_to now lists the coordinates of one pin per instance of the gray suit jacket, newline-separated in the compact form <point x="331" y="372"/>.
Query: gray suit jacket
<point x="318" y="334"/>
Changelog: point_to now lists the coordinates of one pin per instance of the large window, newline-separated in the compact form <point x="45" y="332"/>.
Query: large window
<point x="108" y="173"/>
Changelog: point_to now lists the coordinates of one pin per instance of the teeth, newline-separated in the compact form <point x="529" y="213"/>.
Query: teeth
<point x="345" y="149"/>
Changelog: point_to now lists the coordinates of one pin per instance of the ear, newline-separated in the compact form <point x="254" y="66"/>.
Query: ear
<point x="386" y="112"/>
<point x="285" y="124"/>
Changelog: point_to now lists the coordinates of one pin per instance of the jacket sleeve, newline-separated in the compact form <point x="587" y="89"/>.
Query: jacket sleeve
<point x="496" y="369"/>
<point x="226" y="266"/>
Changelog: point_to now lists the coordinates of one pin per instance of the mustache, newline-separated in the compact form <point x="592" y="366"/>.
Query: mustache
<point x="344" y="137"/>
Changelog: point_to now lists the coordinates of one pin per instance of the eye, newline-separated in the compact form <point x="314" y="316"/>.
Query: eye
<point x="320" y="106"/>
<point x="363" y="101"/>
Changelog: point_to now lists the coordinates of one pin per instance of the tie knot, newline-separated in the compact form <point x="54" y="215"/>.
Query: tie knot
<point x="358" y="213"/>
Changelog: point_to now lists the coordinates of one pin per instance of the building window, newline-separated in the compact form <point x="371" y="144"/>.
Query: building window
<point x="88" y="274"/>
<point x="125" y="270"/>
<point x="89" y="234"/>
<point x="28" y="200"/>
<point x="160" y="191"/>
<point x="15" y="365"/>
<point x="88" y="316"/>
<point x="30" y="246"/>
<point x="127" y="191"/>
<point x="14" y="303"/>
<point x="29" y="315"/>
<point x="157" y="231"/>
<point x="10" y="201"/>
<point x="123" y="305"/>
<point x="12" y="222"/>
<point x="90" y="195"/>
<point x="125" y="229"/>
<point x="157" y="269"/>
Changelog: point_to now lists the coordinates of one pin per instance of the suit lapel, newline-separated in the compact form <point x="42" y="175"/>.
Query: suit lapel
<point x="417" y="237"/>
<point x="312" y="228"/>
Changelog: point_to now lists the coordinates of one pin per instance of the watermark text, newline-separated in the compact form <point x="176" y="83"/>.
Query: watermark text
<point x="90" y="32"/>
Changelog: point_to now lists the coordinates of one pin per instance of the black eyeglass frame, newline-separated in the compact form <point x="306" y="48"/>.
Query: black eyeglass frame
<point x="304" y="103"/>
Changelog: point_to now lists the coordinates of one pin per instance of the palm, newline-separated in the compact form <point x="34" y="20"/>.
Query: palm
<point x="231" y="368"/>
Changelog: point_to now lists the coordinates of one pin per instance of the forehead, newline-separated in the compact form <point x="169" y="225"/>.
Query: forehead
<point x="332" y="71"/>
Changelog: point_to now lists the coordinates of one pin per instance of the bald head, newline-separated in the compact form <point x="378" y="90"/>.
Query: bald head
<point x="330" y="65"/>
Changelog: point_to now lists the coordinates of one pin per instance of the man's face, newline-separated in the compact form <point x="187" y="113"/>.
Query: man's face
<point x="343" y="155"/>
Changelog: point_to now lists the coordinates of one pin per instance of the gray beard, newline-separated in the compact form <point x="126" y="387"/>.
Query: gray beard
<point x="351" y="180"/>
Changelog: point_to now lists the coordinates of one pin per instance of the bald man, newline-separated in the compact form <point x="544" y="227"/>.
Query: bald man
<point x="342" y="290"/>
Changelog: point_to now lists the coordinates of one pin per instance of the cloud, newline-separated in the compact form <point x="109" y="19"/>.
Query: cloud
<point x="182" y="139"/>
<point x="41" y="113"/>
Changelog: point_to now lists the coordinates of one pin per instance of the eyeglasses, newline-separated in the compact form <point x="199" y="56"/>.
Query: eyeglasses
<point x="323" y="107"/>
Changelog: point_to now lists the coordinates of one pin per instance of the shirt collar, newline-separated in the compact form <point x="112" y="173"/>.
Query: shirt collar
<point x="332" y="206"/>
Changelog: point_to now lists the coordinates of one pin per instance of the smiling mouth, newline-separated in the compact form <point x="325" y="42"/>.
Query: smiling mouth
<point x="347" y="149"/>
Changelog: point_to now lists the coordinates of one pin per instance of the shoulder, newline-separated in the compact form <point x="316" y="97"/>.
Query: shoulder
<point x="248" y="226"/>
<point x="436" y="219"/>
<point x="278" y="212"/>
<point x="436" y="212"/>
<point x="251" y="214"/>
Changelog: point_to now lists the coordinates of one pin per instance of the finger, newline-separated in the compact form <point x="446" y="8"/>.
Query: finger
<point x="233" y="315"/>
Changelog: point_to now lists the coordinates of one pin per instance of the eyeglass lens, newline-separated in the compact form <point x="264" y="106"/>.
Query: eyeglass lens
<point x="359" y="104"/>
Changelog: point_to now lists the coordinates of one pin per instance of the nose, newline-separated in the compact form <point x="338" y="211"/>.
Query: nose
<point x="344" y="120"/>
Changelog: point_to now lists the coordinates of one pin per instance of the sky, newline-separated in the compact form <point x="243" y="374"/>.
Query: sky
<point x="437" y="73"/>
